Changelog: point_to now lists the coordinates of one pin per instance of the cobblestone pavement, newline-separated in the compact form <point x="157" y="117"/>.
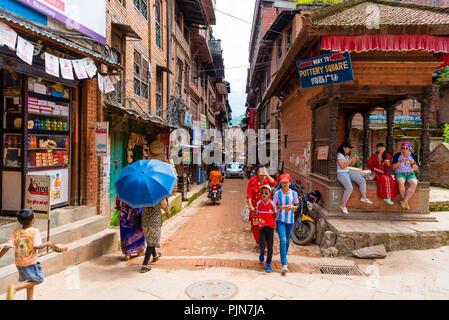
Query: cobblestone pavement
<point x="212" y="243"/>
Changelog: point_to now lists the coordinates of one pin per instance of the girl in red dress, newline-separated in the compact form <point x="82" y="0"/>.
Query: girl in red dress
<point x="253" y="196"/>
<point x="379" y="163"/>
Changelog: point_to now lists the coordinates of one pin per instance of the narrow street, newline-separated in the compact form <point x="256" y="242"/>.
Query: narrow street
<point x="212" y="243"/>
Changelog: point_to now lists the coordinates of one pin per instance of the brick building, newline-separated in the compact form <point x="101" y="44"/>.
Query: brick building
<point x="59" y="108"/>
<point x="310" y="117"/>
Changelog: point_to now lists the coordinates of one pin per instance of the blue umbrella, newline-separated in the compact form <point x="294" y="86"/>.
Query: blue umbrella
<point x="145" y="183"/>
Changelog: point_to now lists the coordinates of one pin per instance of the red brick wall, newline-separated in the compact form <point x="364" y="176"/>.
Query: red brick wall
<point x="89" y="162"/>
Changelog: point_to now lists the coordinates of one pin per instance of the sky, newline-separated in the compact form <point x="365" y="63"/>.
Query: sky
<point x="234" y="35"/>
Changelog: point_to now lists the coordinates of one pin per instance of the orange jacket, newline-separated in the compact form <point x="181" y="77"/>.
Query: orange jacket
<point x="215" y="177"/>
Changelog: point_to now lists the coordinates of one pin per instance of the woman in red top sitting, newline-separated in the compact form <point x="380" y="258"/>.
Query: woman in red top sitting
<point x="253" y="196"/>
<point x="379" y="163"/>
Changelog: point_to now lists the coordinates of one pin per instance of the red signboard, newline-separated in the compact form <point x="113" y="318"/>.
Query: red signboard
<point x="252" y="118"/>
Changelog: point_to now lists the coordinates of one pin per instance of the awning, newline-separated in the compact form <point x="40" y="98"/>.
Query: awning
<point x="164" y="69"/>
<point x="126" y="30"/>
<point x="40" y="31"/>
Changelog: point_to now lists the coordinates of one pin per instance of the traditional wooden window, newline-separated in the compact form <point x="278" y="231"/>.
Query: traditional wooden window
<point x="179" y="68"/>
<point x="194" y="75"/>
<point x="140" y="75"/>
<point x="159" y="88"/>
<point x="157" y="18"/>
<point x="142" y="7"/>
<point x="186" y="77"/>
<point x="279" y="47"/>
<point x="289" y="37"/>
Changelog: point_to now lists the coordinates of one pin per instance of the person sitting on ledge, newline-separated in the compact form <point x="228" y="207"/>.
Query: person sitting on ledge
<point x="345" y="177"/>
<point x="379" y="163"/>
<point x="405" y="164"/>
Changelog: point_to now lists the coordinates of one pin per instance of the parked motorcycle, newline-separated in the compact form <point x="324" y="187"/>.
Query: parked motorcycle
<point x="214" y="194"/>
<point x="304" y="227"/>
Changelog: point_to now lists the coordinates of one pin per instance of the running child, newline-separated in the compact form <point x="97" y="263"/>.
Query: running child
<point x="26" y="241"/>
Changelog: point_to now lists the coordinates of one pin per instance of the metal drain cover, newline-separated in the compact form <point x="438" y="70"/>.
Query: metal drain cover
<point x="211" y="290"/>
<point x="340" y="270"/>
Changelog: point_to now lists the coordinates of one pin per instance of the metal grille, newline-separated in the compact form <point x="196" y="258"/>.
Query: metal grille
<point x="340" y="270"/>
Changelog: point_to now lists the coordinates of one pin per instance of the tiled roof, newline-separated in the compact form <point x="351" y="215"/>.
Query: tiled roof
<point x="390" y="13"/>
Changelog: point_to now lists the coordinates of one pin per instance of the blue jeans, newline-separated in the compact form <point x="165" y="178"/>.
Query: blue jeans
<point x="284" y="231"/>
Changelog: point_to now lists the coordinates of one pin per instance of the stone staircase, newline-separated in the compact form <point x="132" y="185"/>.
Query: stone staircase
<point x="86" y="234"/>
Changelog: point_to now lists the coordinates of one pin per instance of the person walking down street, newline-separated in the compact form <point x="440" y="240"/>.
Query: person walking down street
<point x="345" y="177"/>
<point x="26" y="241"/>
<point x="152" y="225"/>
<point x="405" y="164"/>
<point x="286" y="201"/>
<point x="267" y="222"/>
<point x="379" y="164"/>
<point x="253" y="197"/>
<point x="132" y="239"/>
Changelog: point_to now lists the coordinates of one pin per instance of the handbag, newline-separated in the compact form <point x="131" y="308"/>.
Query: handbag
<point x="245" y="213"/>
<point x="114" y="221"/>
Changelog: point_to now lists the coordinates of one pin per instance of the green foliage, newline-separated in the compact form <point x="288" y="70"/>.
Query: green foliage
<point x="443" y="76"/>
<point x="317" y="1"/>
<point x="446" y="132"/>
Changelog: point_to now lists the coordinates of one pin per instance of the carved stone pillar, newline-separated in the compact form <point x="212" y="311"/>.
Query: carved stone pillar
<point x="430" y="99"/>
<point x="366" y="149"/>
<point x="332" y="155"/>
<point x="390" y="129"/>
<point x="349" y="119"/>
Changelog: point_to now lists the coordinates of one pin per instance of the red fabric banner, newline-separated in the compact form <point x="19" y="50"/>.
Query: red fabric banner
<point x="428" y="43"/>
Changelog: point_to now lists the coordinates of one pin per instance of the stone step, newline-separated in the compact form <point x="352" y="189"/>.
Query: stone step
<point x="375" y="215"/>
<point x="58" y="217"/>
<point x="79" y="251"/>
<point x="394" y="235"/>
<point x="67" y="233"/>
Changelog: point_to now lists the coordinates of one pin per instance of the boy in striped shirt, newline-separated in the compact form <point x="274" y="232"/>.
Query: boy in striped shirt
<point x="286" y="201"/>
<point x="267" y="212"/>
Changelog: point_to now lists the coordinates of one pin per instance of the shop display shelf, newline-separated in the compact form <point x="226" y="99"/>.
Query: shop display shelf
<point x="12" y="131"/>
<point x="48" y="132"/>
<point x="39" y="149"/>
<point x="47" y="97"/>
<point x="43" y="115"/>
<point x="41" y="168"/>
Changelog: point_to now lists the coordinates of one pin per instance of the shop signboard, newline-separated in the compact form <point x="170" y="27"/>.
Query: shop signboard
<point x="188" y="120"/>
<point x="398" y="119"/>
<point x="252" y="118"/>
<point x="37" y="195"/>
<point x="101" y="138"/>
<point x="325" y="70"/>
<point x="85" y="16"/>
<point x="203" y="122"/>
<point x="59" y="185"/>
<point x="323" y="153"/>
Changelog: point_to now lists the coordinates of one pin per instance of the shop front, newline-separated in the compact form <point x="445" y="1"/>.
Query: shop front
<point x="43" y="121"/>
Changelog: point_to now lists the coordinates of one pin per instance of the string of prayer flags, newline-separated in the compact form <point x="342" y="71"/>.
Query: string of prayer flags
<point x="100" y="82"/>
<point x="90" y="66"/>
<point x="66" y="69"/>
<point x="51" y="64"/>
<point x="108" y="86"/>
<point x="7" y="36"/>
<point x="80" y="69"/>
<point x="24" y="50"/>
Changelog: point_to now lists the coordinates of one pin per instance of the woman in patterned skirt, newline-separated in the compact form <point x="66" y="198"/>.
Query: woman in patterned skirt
<point x="131" y="235"/>
<point x="152" y="224"/>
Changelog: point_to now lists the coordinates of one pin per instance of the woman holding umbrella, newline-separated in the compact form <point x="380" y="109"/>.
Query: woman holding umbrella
<point x="152" y="224"/>
<point x="146" y="184"/>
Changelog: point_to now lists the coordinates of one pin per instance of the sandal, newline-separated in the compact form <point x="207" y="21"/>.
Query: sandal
<point x="156" y="258"/>
<point x="145" y="269"/>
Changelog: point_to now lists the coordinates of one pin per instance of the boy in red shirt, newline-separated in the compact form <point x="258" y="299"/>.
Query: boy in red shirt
<point x="267" y="212"/>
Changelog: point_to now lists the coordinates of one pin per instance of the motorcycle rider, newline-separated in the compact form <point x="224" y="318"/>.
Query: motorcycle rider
<point x="215" y="178"/>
